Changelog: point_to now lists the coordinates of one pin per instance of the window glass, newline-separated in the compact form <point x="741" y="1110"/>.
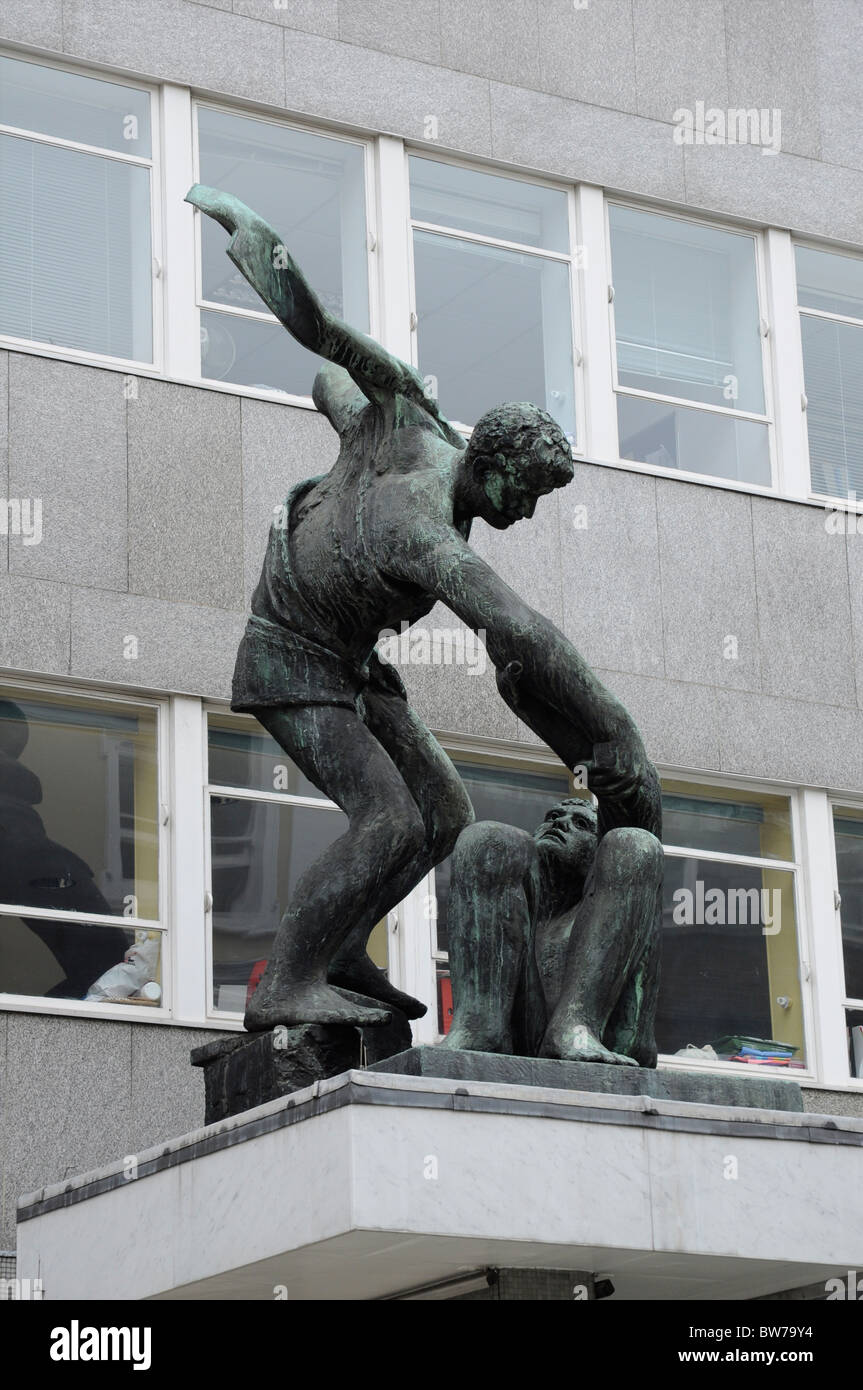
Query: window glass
<point x="854" y="1024"/>
<point x="494" y="325"/>
<point x="95" y="962"/>
<point x="76" y="259"/>
<point x="697" y="441"/>
<point x="259" y="852"/>
<point x="848" y="834"/>
<point x="79" y="834"/>
<point x="80" y="277"/>
<point x="511" y="795"/>
<point x="729" y="957"/>
<point x="86" y="110"/>
<point x="686" y="310"/>
<point x="242" y="754"/>
<point x="727" y="820"/>
<point x="311" y="189"/>
<point x="833" y="368"/>
<point x="830" y="282"/>
<point x="489" y="205"/>
<point x="730" y="977"/>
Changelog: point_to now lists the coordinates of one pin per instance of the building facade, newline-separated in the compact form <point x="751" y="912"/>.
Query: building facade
<point x="648" y="218"/>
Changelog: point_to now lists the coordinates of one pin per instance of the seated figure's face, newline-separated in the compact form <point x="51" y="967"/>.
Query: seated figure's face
<point x="567" y="839"/>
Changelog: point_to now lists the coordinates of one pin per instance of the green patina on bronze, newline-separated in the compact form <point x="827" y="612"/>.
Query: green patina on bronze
<point x="372" y="545"/>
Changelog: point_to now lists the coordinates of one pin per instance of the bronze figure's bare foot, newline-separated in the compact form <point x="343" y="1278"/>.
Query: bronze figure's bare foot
<point x="460" y="1039"/>
<point x="312" y="1003"/>
<point x="578" y="1044"/>
<point x="360" y="974"/>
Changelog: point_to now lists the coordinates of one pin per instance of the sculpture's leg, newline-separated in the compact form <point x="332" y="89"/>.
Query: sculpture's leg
<point x="445" y="809"/>
<point x="336" y="751"/>
<point x="386" y="851"/>
<point x="630" y="1029"/>
<point x="614" y="927"/>
<point x="489" y="934"/>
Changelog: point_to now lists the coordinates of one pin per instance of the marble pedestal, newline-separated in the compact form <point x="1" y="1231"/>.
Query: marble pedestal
<point x="372" y="1186"/>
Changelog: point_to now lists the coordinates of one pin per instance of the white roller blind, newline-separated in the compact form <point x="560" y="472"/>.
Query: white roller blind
<point x="833" y="365"/>
<point x="75" y="250"/>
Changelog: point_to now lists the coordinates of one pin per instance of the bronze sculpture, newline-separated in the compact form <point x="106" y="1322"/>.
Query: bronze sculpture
<point x="553" y="939"/>
<point x="377" y="542"/>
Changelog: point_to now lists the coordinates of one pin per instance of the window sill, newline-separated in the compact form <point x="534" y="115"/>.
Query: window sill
<point x="116" y="1012"/>
<point x="670" y="1062"/>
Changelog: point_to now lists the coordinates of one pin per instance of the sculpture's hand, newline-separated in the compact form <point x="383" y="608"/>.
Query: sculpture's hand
<point x="617" y="769"/>
<point x="259" y="253"/>
<point x="224" y="208"/>
<point x="618" y="773"/>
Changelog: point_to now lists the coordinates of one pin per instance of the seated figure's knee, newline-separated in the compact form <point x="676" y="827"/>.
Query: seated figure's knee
<point x="489" y="850"/>
<point x="629" y="856"/>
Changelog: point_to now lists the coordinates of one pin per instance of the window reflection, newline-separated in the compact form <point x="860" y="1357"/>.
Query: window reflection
<point x="90" y="848"/>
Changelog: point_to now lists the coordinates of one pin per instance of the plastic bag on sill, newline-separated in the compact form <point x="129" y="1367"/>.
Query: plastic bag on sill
<point x="706" y="1053"/>
<point x="135" y="973"/>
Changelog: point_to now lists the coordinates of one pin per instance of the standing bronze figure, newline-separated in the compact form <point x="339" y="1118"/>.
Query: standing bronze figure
<point x="375" y="543"/>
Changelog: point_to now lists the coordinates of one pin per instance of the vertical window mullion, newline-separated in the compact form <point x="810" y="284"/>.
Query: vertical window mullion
<point x="393" y="248"/>
<point x="188" y="924"/>
<point x="182" y="319"/>
<point x="787" y="365"/>
<point x="416" y="923"/>
<point x="597" y="339"/>
<point x="825" y="938"/>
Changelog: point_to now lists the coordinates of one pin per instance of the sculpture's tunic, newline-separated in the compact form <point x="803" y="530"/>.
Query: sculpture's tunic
<point x="280" y="661"/>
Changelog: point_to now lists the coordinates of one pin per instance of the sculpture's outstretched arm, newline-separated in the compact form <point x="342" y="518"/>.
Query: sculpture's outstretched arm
<point x="541" y="674"/>
<point x="262" y="257"/>
<point x="623" y="780"/>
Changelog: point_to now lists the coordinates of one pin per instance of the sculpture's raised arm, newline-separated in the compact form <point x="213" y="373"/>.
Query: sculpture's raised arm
<point x="261" y="256"/>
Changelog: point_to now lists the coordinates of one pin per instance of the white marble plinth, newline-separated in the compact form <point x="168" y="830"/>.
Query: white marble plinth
<point x="369" y="1184"/>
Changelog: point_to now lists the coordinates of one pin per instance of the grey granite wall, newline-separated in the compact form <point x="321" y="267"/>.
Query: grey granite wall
<point x="155" y="514"/>
<point x="584" y="91"/>
<point x="77" y="1093"/>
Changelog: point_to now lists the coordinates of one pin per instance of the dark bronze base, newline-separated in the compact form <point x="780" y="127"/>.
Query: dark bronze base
<point x="761" y="1092"/>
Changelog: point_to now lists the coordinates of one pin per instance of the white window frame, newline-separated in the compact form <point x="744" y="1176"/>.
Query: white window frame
<point x="835" y="996"/>
<point x="234" y="1018"/>
<point x="153" y="164"/>
<point x="163" y="1013"/>
<point x="797" y="867"/>
<point x="768" y="419"/>
<point x="191" y="363"/>
<point x="572" y="258"/>
<point x="826" y="499"/>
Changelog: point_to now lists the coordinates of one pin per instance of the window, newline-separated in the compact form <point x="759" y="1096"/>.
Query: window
<point x="848" y="839"/>
<point x="268" y="824"/>
<point x="76" y="254"/>
<point x="311" y="189"/>
<point x="830" y="299"/>
<point x="79" y="849"/>
<point x="492" y="286"/>
<point x="517" y="796"/>
<point x="730" y="986"/>
<point x="690" y="376"/>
